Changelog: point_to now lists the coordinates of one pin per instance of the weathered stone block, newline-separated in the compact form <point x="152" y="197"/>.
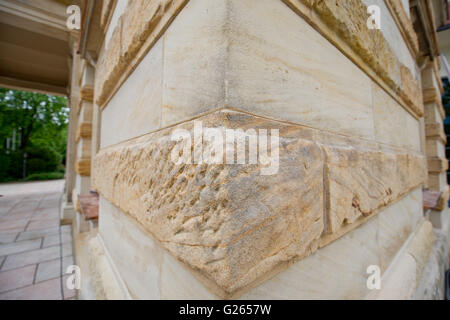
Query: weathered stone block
<point x="362" y="182"/>
<point x="235" y="226"/>
<point x="227" y="221"/>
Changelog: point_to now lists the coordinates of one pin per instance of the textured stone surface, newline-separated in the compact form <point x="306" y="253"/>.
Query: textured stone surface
<point x="361" y="182"/>
<point x="392" y="33"/>
<point x="230" y="222"/>
<point x="234" y="224"/>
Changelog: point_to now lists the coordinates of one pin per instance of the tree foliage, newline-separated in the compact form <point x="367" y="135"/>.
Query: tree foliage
<point x="39" y="123"/>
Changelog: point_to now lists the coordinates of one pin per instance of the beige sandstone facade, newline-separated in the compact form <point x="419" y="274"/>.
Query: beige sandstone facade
<point x="360" y="124"/>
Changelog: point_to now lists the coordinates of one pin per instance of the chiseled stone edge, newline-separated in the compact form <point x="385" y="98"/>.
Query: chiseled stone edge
<point x="230" y="223"/>
<point x="404" y="23"/>
<point x="367" y="48"/>
<point x="360" y="183"/>
<point x="137" y="31"/>
<point x="118" y="177"/>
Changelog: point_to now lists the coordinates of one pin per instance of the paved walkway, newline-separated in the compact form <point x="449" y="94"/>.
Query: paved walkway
<point x="34" y="249"/>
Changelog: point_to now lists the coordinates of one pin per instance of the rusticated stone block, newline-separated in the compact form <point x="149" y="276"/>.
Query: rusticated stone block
<point x="235" y="226"/>
<point x="359" y="183"/>
<point x="227" y="221"/>
<point x="140" y="20"/>
<point x="410" y="91"/>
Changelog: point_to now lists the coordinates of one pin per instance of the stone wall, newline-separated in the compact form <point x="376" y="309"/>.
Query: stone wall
<point x="347" y="102"/>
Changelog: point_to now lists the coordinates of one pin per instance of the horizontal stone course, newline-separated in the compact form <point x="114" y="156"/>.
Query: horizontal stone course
<point x="235" y="225"/>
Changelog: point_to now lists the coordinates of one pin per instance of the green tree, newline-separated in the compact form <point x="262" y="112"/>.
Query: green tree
<point x="39" y="122"/>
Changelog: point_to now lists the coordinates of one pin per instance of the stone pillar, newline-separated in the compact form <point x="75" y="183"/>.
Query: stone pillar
<point x="67" y="209"/>
<point x="83" y="140"/>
